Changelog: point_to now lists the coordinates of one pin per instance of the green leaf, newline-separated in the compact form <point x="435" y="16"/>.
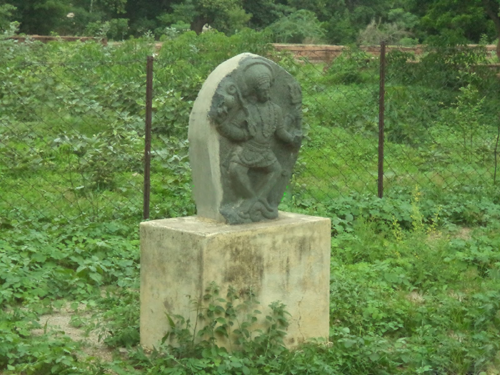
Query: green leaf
<point x="170" y="321"/>
<point x="348" y="342"/>
<point x="96" y="277"/>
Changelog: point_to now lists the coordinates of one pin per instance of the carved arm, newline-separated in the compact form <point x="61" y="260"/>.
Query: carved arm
<point x="234" y="127"/>
<point x="285" y="135"/>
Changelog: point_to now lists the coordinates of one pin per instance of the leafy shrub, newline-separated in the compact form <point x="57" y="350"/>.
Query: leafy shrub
<point x="443" y="66"/>
<point x="6" y="11"/>
<point x="377" y="32"/>
<point x="353" y="66"/>
<point x="114" y="29"/>
<point x="301" y="26"/>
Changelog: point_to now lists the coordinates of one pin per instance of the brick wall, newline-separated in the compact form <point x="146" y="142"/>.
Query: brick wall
<point x="326" y="53"/>
<point x="45" y="38"/>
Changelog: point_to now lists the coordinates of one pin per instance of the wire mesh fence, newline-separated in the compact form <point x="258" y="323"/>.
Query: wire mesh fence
<point x="72" y="127"/>
<point x="439" y="127"/>
<point x="341" y="107"/>
<point x="71" y="134"/>
<point x="442" y="119"/>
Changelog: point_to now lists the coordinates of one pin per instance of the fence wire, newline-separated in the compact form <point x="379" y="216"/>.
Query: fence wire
<point x="340" y="103"/>
<point x="72" y="129"/>
<point x="71" y="138"/>
<point x="441" y="122"/>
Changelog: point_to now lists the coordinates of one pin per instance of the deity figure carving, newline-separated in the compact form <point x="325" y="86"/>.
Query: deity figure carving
<point x="257" y="111"/>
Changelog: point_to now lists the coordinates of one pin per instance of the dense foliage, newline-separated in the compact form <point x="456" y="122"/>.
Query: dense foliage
<point x="334" y="22"/>
<point x="415" y="277"/>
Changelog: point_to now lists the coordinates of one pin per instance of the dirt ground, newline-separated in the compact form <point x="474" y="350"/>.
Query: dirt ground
<point x="61" y="323"/>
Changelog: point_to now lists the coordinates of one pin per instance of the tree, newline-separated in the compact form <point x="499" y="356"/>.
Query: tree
<point x="61" y="16"/>
<point x="265" y="12"/>
<point x="98" y="17"/>
<point x="109" y="6"/>
<point x="301" y="26"/>
<point x="343" y="19"/>
<point x="375" y="33"/>
<point x="461" y="20"/>
<point x="40" y="16"/>
<point x="6" y="13"/>
<point x="224" y="15"/>
<point x="491" y="8"/>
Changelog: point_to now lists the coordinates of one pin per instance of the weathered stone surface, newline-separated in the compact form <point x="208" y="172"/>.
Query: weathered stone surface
<point x="244" y="134"/>
<point x="285" y="260"/>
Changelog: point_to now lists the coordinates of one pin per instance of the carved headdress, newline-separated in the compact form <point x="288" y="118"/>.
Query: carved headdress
<point x="257" y="73"/>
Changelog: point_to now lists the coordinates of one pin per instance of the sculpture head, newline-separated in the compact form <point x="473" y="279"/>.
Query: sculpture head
<point x="263" y="92"/>
<point x="259" y="78"/>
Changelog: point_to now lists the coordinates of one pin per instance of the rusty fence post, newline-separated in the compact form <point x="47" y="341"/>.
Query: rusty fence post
<point x="496" y="153"/>
<point x="147" y="137"/>
<point x="381" y="113"/>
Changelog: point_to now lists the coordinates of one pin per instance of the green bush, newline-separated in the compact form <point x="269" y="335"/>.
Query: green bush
<point x="301" y="26"/>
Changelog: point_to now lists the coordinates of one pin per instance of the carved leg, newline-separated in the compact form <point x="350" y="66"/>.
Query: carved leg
<point x="239" y="177"/>
<point x="274" y="171"/>
<point x="243" y="185"/>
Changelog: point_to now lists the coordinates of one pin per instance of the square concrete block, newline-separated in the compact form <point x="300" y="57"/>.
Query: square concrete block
<point x="287" y="260"/>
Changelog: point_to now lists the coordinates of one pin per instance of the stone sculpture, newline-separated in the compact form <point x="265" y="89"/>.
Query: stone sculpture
<point x="244" y="137"/>
<point x="255" y="112"/>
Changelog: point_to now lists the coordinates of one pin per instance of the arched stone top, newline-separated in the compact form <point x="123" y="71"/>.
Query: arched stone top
<point x="244" y="133"/>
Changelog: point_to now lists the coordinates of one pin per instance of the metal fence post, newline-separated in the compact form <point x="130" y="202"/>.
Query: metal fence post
<point x="496" y="153"/>
<point x="381" y="112"/>
<point x="147" y="137"/>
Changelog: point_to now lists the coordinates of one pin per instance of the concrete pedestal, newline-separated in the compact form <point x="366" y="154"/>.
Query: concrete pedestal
<point x="285" y="260"/>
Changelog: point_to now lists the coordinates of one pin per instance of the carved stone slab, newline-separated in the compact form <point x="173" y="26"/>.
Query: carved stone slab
<point x="244" y="133"/>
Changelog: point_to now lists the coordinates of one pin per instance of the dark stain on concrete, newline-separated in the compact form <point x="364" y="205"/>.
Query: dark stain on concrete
<point x="167" y="305"/>
<point x="245" y="268"/>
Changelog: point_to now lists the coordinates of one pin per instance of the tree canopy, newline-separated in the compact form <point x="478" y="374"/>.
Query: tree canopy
<point x="328" y="21"/>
